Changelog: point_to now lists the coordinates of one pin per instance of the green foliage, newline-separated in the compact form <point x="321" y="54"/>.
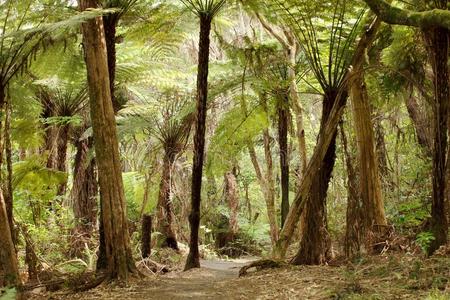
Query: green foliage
<point x="233" y="133"/>
<point x="8" y="294"/>
<point x="424" y="240"/>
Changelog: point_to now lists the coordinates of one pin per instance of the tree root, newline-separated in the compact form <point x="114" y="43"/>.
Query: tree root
<point x="261" y="265"/>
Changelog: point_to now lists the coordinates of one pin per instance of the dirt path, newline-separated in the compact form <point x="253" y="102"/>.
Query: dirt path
<point x="204" y="283"/>
<point x="392" y="277"/>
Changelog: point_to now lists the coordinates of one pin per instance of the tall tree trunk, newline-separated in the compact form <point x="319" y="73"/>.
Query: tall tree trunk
<point x="193" y="260"/>
<point x="112" y="198"/>
<point x="439" y="50"/>
<point x="232" y="198"/>
<point x="298" y="109"/>
<point x="283" y="124"/>
<point x="50" y="133"/>
<point x="9" y="273"/>
<point x="322" y="156"/>
<point x="380" y="145"/>
<point x="421" y="123"/>
<point x="370" y="187"/>
<point x="265" y="180"/>
<point x="270" y="185"/>
<point x="110" y="22"/>
<point x="165" y="205"/>
<point x="352" y="242"/>
<point x="84" y="195"/>
<point x="61" y="160"/>
<point x="315" y="243"/>
<point x="8" y="189"/>
<point x="146" y="236"/>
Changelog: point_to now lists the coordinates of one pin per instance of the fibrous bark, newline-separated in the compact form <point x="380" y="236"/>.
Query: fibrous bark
<point x="352" y="242"/>
<point x="146" y="235"/>
<point x="370" y="187"/>
<point x="232" y="197"/>
<point x="117" y="244"/>
<point x="193" y="260"/>
<point x="9" y="272"/>
<point x="165" y="205"/>
<point x="421" y="123"/>
<point x="439" y="50"/>
<point x="326" y="137"/>
<point x="283" y="124"/>
<point x="315" y="242"/>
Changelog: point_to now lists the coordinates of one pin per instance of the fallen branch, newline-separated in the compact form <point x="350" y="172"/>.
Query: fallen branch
<point x="261" y="265"/>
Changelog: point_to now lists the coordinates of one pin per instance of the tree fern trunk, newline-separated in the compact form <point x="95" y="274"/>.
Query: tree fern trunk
<point x="439" y="50"/>
<point x="165" y="206"/>
<point x="61" y="160"/>
<point x="193" y="260"/>
<point x="315" y="244"/>
<point x="110" y="22"/>
<point x="283" y="123"/>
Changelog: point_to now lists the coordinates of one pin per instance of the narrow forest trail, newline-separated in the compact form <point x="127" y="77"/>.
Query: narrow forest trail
<point x="383" y="277"/>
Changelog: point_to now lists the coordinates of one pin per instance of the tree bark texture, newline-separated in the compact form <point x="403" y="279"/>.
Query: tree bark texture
<point x="265" y="180"/>
<point x="370" y="187"/>
<point x="165" y="206"/>
<point x="61" y="160"/>
<point x="232" y="198"/>
<point x="110" y="22"/>
<point x="422" y="126"/>
<point x="352" y="242"/>
<point x="439" y="50"/>
<point x="321" y="155"/>
<point x="283" y="126"/>
<point x="9" y="272"/>
<point x="193" y="259"/>
<point x="146" y="235"/>
<point x="117" y="243"/>
<point x="315" y="242"/>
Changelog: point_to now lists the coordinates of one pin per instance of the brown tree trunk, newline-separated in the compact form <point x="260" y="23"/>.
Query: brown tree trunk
<point x="318" y="169"/>
<point x="193" y="260"/>
<point x="439" y="50"/>
<point x="9" y="272"/>
<point x="61" y="159"/>
<point x="421" y="123"/>
<point x="315" y="244"/>
<point x="50" y="133"/>
<point x="270" y="185"/>
<point x="370" y="188"/>
<point x="283" y="124"/>
<point x="146" y="236"/>
<point x="265" y="181"/>
<point x="165" y="205"/>
<point x="110" y="22"/>
<point x="232" y="198"/>
<point x="8" y="189"/>
<point x="117" y="243"/>
<point x="380" y="145"/>
<point x="85" y="189"/>
<point x="352" y="242"/>
<point x="298" y="109"/>
<point x="84" y="195"/>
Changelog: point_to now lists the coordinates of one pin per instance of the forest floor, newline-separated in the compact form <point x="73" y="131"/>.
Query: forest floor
<point x="382" y="277"/>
